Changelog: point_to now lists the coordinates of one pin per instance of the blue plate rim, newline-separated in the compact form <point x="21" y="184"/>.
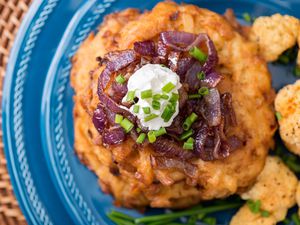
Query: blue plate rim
<point x="23" y="200"/>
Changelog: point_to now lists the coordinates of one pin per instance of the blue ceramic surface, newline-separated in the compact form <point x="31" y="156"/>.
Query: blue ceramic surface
<point x="52" y="186"/>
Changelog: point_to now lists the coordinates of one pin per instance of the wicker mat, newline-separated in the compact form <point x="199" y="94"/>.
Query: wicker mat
<point x="11" y="15"/>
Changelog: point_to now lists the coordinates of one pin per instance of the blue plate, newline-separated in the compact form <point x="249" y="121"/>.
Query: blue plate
<point x="52" y="186"/>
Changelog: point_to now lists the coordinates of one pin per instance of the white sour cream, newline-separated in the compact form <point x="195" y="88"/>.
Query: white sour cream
<point x="153" y="77"/>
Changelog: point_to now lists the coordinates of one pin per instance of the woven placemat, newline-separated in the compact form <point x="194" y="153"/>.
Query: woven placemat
<point x="11" y="15"/>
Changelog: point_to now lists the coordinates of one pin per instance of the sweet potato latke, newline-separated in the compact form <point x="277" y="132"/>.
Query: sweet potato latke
<point x="127" y="172"/>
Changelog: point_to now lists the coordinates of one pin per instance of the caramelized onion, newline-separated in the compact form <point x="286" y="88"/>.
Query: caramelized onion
<point x="168" y="148"/>
<point x="145" y="48"/>
<point x="113" y="136"/>
<point x="99" y="119"/>
<point x="211" y="109"/>
<point x="173" y="163"/>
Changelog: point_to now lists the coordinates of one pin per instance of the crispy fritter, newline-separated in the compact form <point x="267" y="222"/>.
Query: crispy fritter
<point x="275" y="34"/>
<point x="287" y="103"/>
<point x="126" y="172"/>
<point x="276" y="188"/>
<point x="298" y="197"/>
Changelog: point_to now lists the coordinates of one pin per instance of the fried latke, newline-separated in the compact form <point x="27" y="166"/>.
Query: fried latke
<point x="127" y="173"/>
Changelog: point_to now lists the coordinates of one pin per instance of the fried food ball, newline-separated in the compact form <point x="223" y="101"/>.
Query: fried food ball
<point x="276" y="188"/>
<point x="127" y="173"/>
<point x="275" y="34"/>
<point x="287" y="104"/>
<point x="298" y="197"/>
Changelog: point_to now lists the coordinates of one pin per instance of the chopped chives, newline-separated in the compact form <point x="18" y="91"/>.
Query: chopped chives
<point x="127" y="125"/>
<point x="174" y="98"/>
<point x="198" y="54"/>
<point x="186" y="135"/>
<point x="136" y="108"/>
<point x="278" y="115"/>
<point x="189" y="121"/>
<point x="296" y="219"/>
<point x="150" y="117"/>
<point x="146" y="94"/>
<point x="146" y="110"/>
<point x="121" y="215"/>
<point x="296" y="71"/>
<point x="151" y="136"/>
<point x="190" y="140"/>
<point x="160" y="132"/>
<point x="168" y="87"/>
<point x="130" y="96"/>
<point x="167" y="113"/>
<point x="203" y="91"/>
<point x="155" y="104"/>
<point x="138" y="130"/>
<point x="265" y="213"/>
<point x="194" y="96"/>
<point x="201" y="75"/>
<point x="119" y="221"/>
<point x="164" y="96"/>
<point x="118" y="118"/>
<point x="156" y="97"/>
<point x="141" y="138"/>
<point x="254" y="206"/>
<point x="188" y="145"/>
<point x="247" y="17"/>
<point x="210" y="221"/>
<point x="120" y="79"/>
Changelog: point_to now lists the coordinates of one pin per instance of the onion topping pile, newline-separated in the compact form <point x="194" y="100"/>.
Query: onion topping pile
<point x="200" y="128"/>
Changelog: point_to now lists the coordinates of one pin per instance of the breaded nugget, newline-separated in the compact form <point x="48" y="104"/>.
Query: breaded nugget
<point x="127" y="173"/>
<point x="275" y="34"/>
<point x="298" y="197"/>
<point x="287" y="103"/>
<point x="275" y="188"/>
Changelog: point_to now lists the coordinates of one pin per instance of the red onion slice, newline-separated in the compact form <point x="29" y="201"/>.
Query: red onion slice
<point x="99" y="119"/>
<point x="170" y="163"/>
<point x="145" y="48"/>
<point x="113" y="136"/>
<point x="168" y="148"/>
<point x="211" y="109"/>
<point x="227" y="110"/>
<point x="211" y="80"/>
<point x="180" y="41"/>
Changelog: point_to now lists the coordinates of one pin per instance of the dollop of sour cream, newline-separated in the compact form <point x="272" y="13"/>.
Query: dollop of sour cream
<point x="153" y="77"/>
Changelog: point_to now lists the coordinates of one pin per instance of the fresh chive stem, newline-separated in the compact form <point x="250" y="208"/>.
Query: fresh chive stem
<point x="146" y="94"/>
<point x="201" y="75"/>
<point x="150" y="117"/>
<point x="119" y="221"/>
<point x="189" y="212"/>
<point x="168" y="87"/>
<point x="203" y="91"/>
<point x="160" y="132"/>
<point x="194" y="96"/>
<point x="189" y="121"/>
<point x="130" y="96"/>
<point x="136" y="108"/>
<point x="121" y="215"/>
<point x="127" y="125"/>
<point x="120" y="79"/>
<point x="146" y="110"/>
<point x="151" y="136"/>
<point x="141" y="138"/>
<point x="198" y="54"/>
<point x="118" y="118"/>
<point x="188" y="145"/>
<point x="186" y="135"/>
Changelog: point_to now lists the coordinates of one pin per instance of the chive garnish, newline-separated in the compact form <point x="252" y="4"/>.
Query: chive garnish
<point x="203" y="91"/>
<point x="151" y="136"/>
<point x="193" y="211"/>
<point x="120" y="79"/>
<point x="160" y="132"/>
<point x="164" y="96"/>
<point x="188" y="145"/>
<point x="146" y="94"/>
<point x="186" y="135"/>
<point x="146" y="110"/>
<point x="198" y="54"/>
<point x="168" y="87"/>
<point x="254" y="206"/>
<point x="278" y="115"/>
<point x="141" y="138"/>
<point x="156" y="97"/>
<point x="130" y="96"/>
<point x="247" y="17"/>
<point x="174" y="98"/>
<point x="194" y="96"/>
<point x="136" y="108"/>
<point x="296" y="71"/>
<point x="118" y="118"/>
<point x="189" y="121"/>
<point x="168" y="113"/>
<point x="127" y="125"/>
<point x="138" y="130"/>
<point x="150" y="117"/>
<point x="265" y="213"/>
<point x="295" y="219"/>
<point x="155" y="104"/>
<point x="201" y="75"/>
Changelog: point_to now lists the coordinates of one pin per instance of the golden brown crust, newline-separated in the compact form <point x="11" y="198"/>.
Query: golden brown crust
<point x="126" y="172"/>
